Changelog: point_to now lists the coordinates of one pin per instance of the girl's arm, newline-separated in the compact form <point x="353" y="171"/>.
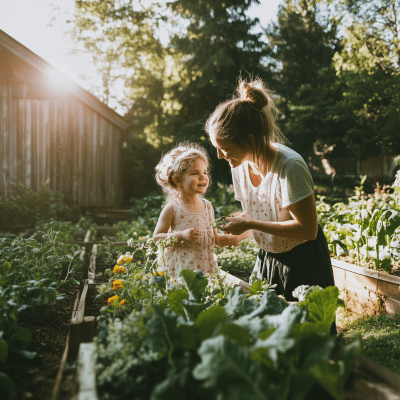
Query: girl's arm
<point x="222" y="240"/>
<point x="304" y="224"/>
<point x="164" y="223"/>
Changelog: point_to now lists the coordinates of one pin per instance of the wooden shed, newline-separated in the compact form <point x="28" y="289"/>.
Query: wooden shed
<point x="53" y="131"/>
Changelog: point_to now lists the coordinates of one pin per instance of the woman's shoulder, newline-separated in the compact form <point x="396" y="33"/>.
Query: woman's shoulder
<point x="288" y="158"/>
<point x="286" y="153"/>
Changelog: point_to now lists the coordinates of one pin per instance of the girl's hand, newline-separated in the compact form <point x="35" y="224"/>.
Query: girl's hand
<point x="189" y="235"/>
<point x="236" y="225"/>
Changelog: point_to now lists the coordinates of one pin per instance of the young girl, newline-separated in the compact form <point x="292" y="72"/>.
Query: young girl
<point x="182" y="174"/>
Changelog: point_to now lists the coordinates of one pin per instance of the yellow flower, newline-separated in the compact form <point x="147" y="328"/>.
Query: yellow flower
<point x="111" y="299"/>
<point x="118" y="269"/>
<point x="117" y="284"/>
<point x="122" y="302"/>
<point x="158" y="273"/>
<point x="124" y="258"/>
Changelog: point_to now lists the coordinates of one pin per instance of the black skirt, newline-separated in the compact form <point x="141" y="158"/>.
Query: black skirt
<point x="308" y="263"/>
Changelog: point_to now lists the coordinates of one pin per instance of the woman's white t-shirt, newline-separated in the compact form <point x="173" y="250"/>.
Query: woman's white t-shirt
<point x="288" y="181"/>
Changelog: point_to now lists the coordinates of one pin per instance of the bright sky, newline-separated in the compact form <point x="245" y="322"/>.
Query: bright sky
<point x="30" y="23"/>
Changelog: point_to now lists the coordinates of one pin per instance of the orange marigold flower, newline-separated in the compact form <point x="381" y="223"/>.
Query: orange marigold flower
<point x="124" y="258"/>
<point x="122" y="302"/>
<point x="117" y="269"/>
<point x="111" y="299"/>
<point x="117" y="284"/>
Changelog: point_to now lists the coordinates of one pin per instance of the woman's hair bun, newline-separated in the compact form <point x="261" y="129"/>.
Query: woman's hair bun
<point x="254" y="92"/>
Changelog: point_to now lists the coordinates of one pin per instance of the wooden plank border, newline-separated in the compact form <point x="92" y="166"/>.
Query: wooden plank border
<point x="86" y="373"/>
<point x="365" y="271"/>
<point x="236" y="281"/>
<point x="365" y="291"/>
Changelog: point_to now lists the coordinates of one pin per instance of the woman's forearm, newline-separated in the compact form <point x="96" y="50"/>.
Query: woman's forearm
<point x="289" y="229"/>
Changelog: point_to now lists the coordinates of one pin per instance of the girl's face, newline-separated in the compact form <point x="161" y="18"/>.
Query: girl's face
<point x="195" y="180"/>
<point x="232" y="153"/>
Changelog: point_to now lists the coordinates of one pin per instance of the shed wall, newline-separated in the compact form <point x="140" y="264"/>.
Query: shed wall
<point x="60" y="141"/>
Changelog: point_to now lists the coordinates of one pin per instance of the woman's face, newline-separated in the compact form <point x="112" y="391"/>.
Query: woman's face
<point x="232" y="152"/>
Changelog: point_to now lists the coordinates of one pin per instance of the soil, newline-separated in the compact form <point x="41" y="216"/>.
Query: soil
<point x="35" y="378"/>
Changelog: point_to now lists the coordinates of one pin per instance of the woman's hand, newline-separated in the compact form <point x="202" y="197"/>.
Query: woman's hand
<point x="237" y="225"/>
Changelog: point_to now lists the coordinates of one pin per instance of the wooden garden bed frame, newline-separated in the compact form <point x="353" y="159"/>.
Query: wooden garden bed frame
<point x="366" y="291"/>
<point x="81" y="328"/>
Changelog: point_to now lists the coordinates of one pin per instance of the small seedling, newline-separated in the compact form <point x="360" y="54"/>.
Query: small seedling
<point x="220" y="222"/>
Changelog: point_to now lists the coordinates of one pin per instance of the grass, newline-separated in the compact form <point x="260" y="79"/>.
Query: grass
<point x="380" y="338"/>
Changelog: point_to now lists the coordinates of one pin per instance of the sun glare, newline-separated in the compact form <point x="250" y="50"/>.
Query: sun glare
<point x="59" y="82"/>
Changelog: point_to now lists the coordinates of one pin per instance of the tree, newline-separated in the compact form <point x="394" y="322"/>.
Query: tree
<point x="214" y="48"/>
<point x="301" y="46"/>
<point x="170" y="86"/>
<point x="368" y="66"/>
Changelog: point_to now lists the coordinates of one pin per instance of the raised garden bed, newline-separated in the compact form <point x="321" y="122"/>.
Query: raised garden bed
<point x="366" y="291"/>
<point x="368" y="380"/>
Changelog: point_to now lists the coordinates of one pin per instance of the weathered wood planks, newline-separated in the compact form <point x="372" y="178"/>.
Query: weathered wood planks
<point x="366" y="291"/>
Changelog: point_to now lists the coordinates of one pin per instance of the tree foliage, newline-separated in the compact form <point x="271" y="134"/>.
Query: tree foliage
<point x="334" y="65"/>
<point x="368" y="66"/>
<point x="301" y="45"/>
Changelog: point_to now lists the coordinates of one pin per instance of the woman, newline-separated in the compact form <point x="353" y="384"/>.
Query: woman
<point x="275" y="187"/>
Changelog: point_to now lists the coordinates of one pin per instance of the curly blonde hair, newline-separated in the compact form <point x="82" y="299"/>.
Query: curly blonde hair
<point x="175" y="163"/>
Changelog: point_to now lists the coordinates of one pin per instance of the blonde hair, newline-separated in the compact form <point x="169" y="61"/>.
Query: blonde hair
<point x="176" y="163"/>
<point x="250" y="111"/>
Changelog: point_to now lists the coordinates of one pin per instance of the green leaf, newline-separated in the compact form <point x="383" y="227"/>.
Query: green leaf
<point x="160" y="330"/>
<point x="192" y="308"/>
<point x="266" y="334"/>
<point x="158" y="280"/>
<point x="261" y="355"/>
<point x="281" y="340"/>
<point x="21" y="339"/>
<point x="6" y="383"/>
<point x="175" y="298"/>
<point x="322" y="306"/>
<point x="194" y="283"/>
<point x="187" y="336"/>
<point x="208" y="320"/>
<point x="228" y="368"/>
<point x="349" y="353"/>
<point x="330" y="376"/>
<point x="300" y="384"/>
<point x="255" y="287"/>
<point x="34" y="292"/>
<point x="30" y="355"/>
<point x="238" y="304"/>
<point x="270" y="304"/>
<point x="5" y="268"/>
<point x="3" y="350"/>
<point x="236" y="333"/>
<point x="313" y="348"/>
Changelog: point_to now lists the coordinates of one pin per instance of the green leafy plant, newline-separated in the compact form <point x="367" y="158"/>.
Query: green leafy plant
<point x="32" y="270"/>
<point x="247" y="348"/>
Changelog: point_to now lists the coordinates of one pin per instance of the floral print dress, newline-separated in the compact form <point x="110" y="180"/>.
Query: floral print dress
<point x="199" y="254"/>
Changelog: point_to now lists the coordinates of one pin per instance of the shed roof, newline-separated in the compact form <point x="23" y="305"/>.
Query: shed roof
<point x="47" y="69"/>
